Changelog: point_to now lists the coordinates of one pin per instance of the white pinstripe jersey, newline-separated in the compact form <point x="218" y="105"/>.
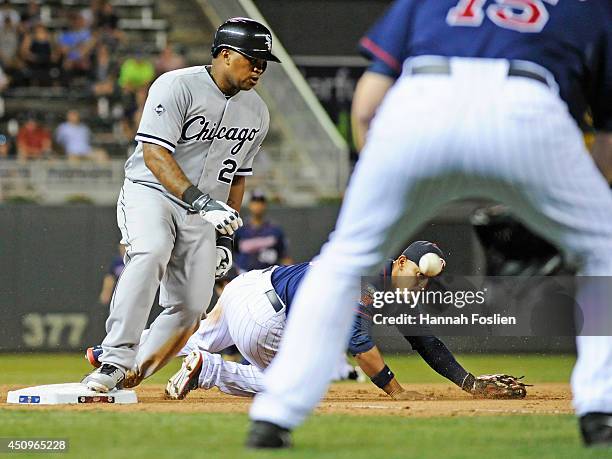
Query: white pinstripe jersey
<point x="212" y="137"/>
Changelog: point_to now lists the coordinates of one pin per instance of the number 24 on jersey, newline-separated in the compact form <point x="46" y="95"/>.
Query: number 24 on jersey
<point x="528" y="16"/>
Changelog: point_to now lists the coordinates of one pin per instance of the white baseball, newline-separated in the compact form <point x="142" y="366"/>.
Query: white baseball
<point x="431" y="264"/>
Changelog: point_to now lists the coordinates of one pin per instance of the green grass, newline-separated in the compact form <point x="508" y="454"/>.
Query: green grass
<point x="31" y="369"/>
<point x="101" y="434"/>
<point x="144" y="435"/>
<point x="537" y="368"/>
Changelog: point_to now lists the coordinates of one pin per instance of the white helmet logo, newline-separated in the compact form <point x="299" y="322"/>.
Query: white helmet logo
<point x="269" y="42"/>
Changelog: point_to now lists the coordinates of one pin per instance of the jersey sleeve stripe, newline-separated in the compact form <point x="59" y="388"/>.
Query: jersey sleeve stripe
<point x="245" y="171"/>
<point x="147" y="138"/>
<point x="380" y="53"/>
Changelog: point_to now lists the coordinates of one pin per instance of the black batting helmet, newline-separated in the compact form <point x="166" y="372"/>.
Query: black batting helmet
<point x="246" y="36"/>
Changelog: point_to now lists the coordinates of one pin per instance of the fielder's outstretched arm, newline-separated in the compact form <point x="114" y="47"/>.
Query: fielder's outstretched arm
<point x="373" y="365"/>
<point x="371" y="360"/>
<point x="442" y="360"/>
<point x="430" y="348"/>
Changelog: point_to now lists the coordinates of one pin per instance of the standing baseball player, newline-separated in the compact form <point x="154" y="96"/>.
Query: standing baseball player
<point x="200" y="130"/>
<point x="473" y="98"/>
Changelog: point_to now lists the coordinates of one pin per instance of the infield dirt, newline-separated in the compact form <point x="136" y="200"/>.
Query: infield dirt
<point x="346" y="398"/>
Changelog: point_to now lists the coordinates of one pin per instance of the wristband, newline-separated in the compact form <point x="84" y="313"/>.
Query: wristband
<point x="191" y="194"/>
<point x="225" y="241"/>
<point x="383" y="378"/>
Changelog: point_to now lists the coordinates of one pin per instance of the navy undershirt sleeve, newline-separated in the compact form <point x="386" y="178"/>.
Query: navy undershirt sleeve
<point x="438" y="357"/>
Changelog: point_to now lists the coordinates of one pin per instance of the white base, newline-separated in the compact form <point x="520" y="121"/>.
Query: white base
<point x="60" y="394"/>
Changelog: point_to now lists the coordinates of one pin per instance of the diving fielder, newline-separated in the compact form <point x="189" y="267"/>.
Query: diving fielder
<point x="473" y="98"/>
<point x="200" y="130"/>
<point x="253" y="309"/>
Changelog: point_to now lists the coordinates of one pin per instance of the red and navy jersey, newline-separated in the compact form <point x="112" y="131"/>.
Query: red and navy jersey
<point x="570" y="38"/>
<point x="286" y="280"/>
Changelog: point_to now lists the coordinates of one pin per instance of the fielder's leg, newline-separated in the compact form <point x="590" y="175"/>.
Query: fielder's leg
<point x="561" y="195"/>
<point x="391" y="176"/>
<point x="230" y="377"/>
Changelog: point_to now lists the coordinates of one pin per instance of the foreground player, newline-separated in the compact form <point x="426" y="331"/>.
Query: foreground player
<point x="252" y="311"/>
<point x="201" y="127"/>
<point x="487" y="105"/>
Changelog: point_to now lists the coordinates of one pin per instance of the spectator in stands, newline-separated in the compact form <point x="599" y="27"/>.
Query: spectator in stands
<point x="6" y="10"/>
<point x="40" y="56"/>
<point x="4" y="80"/>
<point x="111" y="277"/>
<point x="90" y="14"/>
<point x="169" y="60"/>
<point x="77" y="44"/>
<point x="33" y="140"/>
<point x="9" y="37"/>
<point x="105" y="65"/>
<point x="105" y="72"/>
<point x="136" y="73"/>
<point x="132" y="112"/>
<point x="107" y="24"/>
<point x="4" y="147"/>
<point x="30" y="17"/>
<point x="259" y="243"/>
<point x="74" y="137"/>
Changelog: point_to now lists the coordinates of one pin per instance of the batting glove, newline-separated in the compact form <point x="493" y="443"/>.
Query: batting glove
<point x="224" y="256"/>
<point x="224" y="261"/>
<point x="225" y="219"/>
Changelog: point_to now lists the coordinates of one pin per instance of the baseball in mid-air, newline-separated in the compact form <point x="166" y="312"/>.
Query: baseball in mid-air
<point x="431" y="264"/>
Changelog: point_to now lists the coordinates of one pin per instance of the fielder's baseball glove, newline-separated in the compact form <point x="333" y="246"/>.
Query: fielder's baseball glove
<point x="499" y="386"/>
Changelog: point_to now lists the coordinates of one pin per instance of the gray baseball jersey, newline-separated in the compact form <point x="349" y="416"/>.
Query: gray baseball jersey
<point x="212" y="137"/>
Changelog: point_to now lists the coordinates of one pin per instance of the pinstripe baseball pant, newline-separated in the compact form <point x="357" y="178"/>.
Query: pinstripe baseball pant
<point x="435" y="138"/>
<point x="244" y="316"/>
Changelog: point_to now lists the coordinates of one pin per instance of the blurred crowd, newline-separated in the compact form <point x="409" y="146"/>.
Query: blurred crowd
<point x="34" y="140"/>
<point x="79" y="49"/>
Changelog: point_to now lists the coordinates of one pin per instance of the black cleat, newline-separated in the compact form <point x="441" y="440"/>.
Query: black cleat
<point x="596" y="429"/>
<point x="264" y="434"/>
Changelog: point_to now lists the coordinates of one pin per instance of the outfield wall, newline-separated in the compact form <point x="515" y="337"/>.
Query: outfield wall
<point x="53" y="260"/>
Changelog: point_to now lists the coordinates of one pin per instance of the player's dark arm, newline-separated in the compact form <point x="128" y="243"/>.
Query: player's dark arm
<point x="369" y="93"/>
<point x="236" y="192"/>
<point x="441" y="360"/>
<point x="602" y="154"/>
<point x="160" y="161"/>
